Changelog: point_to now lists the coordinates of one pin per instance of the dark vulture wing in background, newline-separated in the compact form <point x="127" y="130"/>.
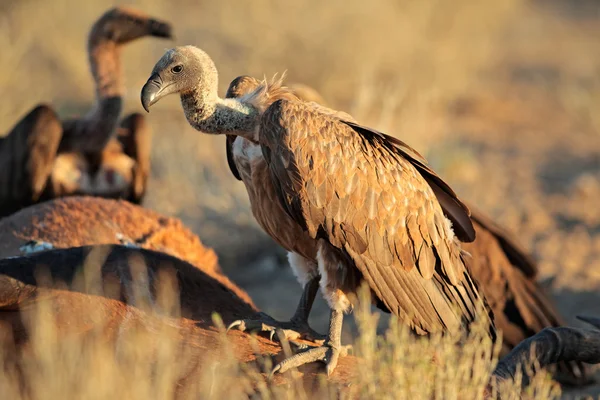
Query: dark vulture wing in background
<point x="27" y="157"/>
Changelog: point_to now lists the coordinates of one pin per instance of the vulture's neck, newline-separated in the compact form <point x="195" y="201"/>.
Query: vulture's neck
<point x="92" y="133"/>
<point x="208" y="113"/>
<point x="105" y="63"/>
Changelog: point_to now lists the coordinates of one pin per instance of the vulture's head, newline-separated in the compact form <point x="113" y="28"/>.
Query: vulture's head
<point x="123" y="24"/>
<point x="181" y="70"/>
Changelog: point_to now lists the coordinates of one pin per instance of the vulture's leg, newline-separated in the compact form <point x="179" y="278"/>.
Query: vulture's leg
<point x="336" y="281"/>
<point x="296" y="328"/>
<point x="328" y="353"/>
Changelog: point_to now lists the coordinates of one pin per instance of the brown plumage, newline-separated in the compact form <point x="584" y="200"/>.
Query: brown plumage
<point x="504" y="271"/>
<point x="95" y="154"/>
<point x="358" y="205"/>
<point x="27" y="157"/>
<point x="507" y="275"/>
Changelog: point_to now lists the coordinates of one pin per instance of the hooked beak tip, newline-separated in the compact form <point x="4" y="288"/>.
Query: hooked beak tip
<point x="151" y="92"/>
<point x="146" y="107"/>
<point x="147" y="101"/>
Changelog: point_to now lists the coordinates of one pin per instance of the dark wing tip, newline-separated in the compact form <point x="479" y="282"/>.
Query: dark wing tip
<point x="456" y="211"/>
<point x="229" y="139"/>
<point x="515" y="252"/>
<point x="161" y="29"/>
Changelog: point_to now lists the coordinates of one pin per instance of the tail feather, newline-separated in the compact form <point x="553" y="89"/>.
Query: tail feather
<point x="521" y="306"/>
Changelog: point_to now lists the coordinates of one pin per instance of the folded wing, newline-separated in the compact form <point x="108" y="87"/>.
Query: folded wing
<point x="366" y="195"/>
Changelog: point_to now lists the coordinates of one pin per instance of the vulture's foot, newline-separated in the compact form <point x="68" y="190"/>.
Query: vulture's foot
<point x="329" y="352"/>
<point x="292" y="330"/>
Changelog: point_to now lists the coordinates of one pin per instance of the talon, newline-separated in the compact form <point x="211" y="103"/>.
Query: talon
<point x="332" y="364"/>
<point x="300" y="346"/>
<point x="239" y="322"/>
<point x="273" y="371"/>
<point x="262" y="322"/>
<point x="326" y="354"/>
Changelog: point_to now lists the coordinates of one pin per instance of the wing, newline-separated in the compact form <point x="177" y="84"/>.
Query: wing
<point x="454" y="209"/>
<point x="27" y="156"/>
<point x="366" y="197"/>
<point x="135" y="137"/>
<point x="229" y="139"/>
<point x="517" y="255"/>
<point x="238" y="87"/>
<point x="521" y="307"/>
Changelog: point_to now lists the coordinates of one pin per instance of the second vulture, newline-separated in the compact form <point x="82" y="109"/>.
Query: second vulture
<point x="44" y="157"/>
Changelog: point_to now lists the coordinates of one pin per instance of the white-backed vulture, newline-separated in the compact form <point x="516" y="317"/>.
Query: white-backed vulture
<point x="44" y="157"/>
<point x="506" y="274"/>
<point x="352" y="204"/>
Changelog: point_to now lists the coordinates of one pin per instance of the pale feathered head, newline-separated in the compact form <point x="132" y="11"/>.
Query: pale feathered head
<point x="180" y="70"/>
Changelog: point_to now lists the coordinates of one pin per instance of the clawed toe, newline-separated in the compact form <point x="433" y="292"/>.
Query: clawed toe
<point x="264" y="323"/>
<point x="326" y="354"/>
<point x="256" y="326"/>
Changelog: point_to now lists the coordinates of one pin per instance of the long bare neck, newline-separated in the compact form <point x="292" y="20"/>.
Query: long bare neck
<point x="208" y="113"/>
<point x="92" y="132"/>
<point x="105" y="64"/>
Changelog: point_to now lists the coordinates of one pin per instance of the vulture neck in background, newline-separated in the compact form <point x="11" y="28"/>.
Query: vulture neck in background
<point x="105" y="64"/>
<point x="102" y="120"/>
<point x="91" y="133"/>
<point x="208" y="113"/>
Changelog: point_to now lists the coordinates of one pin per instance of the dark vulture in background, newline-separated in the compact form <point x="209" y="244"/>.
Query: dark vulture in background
<point x="502" y="268"/>
<point x="350" y="204"/>
<point x="44" y="157"/>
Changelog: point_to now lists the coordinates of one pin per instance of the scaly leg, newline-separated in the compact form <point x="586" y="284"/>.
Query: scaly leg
<point x="328" y="353"/>
<point x="296" y="328"/>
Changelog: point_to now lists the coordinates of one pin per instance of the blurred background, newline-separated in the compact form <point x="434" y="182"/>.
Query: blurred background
<point x="502" y="97"/>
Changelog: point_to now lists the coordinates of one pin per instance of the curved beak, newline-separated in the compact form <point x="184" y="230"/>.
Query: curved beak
<point x="151" y="92"/>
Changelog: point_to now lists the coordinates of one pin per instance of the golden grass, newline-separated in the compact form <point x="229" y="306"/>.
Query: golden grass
<point x="146" y="360"/>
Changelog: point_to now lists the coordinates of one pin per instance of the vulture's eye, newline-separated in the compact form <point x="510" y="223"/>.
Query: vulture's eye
<point x="177" y="69"/>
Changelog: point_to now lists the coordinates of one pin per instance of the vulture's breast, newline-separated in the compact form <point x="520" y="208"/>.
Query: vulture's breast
<point x="264" y="202"/>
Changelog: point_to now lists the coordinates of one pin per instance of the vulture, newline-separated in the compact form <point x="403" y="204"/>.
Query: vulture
<point x="504" y="271"/>
<point x="351" y="204"/>
<point x="44" y="157"/>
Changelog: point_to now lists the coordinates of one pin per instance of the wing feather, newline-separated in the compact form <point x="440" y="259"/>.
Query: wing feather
<point x="27" y="156"/>
<point x="517" y="255"/>
<point x="229" y="139"/>
<point x="389" y="210"/>
<point x="453" y="207"/>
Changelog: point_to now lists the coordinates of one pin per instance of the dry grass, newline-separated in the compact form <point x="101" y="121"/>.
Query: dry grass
<point x="502" y="98"/>
<point x="146" y="359"/>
